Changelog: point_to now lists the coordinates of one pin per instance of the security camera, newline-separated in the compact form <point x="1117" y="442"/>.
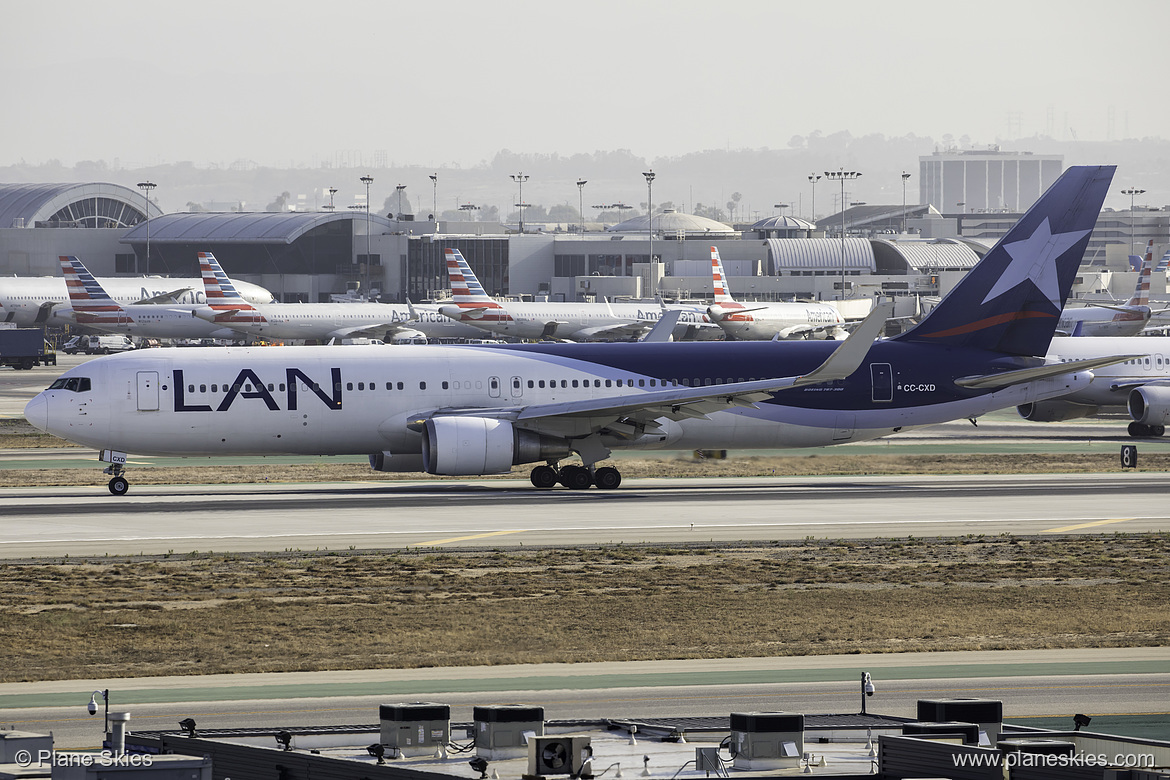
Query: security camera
<point x="867" y="684"/>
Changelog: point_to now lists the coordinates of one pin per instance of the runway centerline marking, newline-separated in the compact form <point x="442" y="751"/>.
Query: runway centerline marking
<point x="467" y="538"/>
<point x="1067" y="528"/>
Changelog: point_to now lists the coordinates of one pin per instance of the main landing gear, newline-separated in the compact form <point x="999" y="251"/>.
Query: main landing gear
<point x="1141" y="429"/>
<point x="575" y="477"/>
<point x="118" y="483"/>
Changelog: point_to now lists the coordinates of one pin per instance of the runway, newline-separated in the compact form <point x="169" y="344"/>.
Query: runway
<point x="43" y="522"/>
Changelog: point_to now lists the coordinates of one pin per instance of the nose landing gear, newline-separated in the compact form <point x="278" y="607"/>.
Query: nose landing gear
<point x="118" y="483"/>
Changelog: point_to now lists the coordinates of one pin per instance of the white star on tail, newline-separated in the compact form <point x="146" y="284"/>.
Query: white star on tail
<point x="1034" y="260"/>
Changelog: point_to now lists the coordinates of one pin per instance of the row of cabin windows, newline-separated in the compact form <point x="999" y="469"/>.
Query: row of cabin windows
<point x="532" y="383"/>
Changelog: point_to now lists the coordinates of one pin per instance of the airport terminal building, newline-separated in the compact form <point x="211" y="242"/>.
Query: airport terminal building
<point x="312" y="256"/>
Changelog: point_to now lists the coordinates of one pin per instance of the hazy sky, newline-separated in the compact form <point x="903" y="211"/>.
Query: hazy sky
<point x="454" y="81"/>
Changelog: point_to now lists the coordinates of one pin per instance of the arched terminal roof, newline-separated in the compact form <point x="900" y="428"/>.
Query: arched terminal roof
<point x="820" y="254"/>
<point x="671" y="222"/>
<point x="783" y="223"/>
<point x="92" y="205"/>
<point x="246" y="227"/>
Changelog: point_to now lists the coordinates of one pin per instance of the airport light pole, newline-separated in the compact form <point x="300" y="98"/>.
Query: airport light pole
<point x="1131" y="192"/>
<point x="367" y="180"/>
<point x="905" y="177"/>
<point x="813" y="178"/>
<point x="332" y="192"/>
<point x="581" y="202"/>
<point x="520" y="178"/>
<point x="842" y="176"/>
<point x="435" y="197"/>
<point x="400" y="188"/>
<point x="147" y="187"/>
<point x="650" y="217"/>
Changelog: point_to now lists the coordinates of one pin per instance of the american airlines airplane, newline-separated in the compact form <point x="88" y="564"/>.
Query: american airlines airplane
<point x="91" y="306"/>
<point x="1103" y="319"/>
<point x="559" y="321"/>
<point x="764" y="321"/>
<point x="473" y="410"/>
<point x="320" y="321"/>
<point x="36" y="300"/>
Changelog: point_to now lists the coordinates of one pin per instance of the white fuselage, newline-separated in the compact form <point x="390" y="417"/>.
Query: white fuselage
<point x="323" y="321"/>
<point x="575" y="321"/>
<point x="1111" y="384"/>
<point x="22" y="298"/>
<point x="1098" y="321"/>
<point x="777" y="320"/>
<point x="358" y="399"/>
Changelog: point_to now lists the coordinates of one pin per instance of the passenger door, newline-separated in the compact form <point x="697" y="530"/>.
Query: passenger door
<point x="148" y="391"/>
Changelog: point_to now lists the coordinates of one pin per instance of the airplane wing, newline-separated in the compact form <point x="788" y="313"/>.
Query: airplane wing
<point x="633" y="329"/>
<point x="166" y="297"/>
<point x="1008" y="378"/>
<point x="627" y="413"/>
<point x="375" y="330"/>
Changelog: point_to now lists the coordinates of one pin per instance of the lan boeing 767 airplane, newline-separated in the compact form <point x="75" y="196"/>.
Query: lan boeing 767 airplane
<point x="471" y="410"/>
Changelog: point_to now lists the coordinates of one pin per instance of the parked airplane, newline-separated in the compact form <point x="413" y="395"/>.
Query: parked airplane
<point x="472" y="410"/>
<point x="36" y="300"/>
<point x="91" y="306"/>
<point x="555" y="320"/>
<point x="321" y="321"/>
<point x="764" y="321"/>
<point x="1103" y="319"/>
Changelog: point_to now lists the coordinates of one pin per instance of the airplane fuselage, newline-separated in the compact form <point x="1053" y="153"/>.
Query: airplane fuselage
<point x="358" y="399"/>
<point x="571" y="321"/>
<point x="1093" y="321"/>
<point x="23" y="299"/>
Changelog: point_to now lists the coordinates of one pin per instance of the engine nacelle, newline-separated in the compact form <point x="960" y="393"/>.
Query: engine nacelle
<point x="1054" y="411"/>
<point x="1150" y="404"/>
<point x="470" y="446"/>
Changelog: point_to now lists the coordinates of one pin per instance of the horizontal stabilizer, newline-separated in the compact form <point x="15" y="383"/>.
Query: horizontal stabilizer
<point x="1007" y="378"/>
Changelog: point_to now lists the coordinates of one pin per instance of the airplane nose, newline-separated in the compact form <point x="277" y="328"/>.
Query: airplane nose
<point x="36" y="412"/>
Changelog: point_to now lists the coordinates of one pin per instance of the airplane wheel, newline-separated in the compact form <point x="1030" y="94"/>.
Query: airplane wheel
<point x="1134" y="429"/>
<point x="576" y="478"/>
<point x="119" y="486"/>
<point x="1158" y="430"/>
<point x="607" y="478"/>
<point x="543" y="477"/>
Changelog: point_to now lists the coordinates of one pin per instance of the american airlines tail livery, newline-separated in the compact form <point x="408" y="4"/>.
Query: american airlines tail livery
<point x="763" y="321"/>
<point x="91" y="306"/>
<point x="472" y="410"/>
<point x="44" y="300"/>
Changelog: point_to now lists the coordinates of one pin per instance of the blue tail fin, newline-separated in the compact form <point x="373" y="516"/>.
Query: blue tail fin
<point x="1011" y="300"/>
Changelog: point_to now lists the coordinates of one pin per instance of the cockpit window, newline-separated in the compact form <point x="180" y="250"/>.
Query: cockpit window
<point x="77" y="384"/>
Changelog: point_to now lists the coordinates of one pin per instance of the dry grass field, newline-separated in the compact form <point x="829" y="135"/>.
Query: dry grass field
<point x="203" y="614"/>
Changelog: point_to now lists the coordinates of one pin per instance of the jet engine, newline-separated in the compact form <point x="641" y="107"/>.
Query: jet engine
<point x="1150" y="405"/>
<point x="470" y="446"/>
<point x="1054" y="411"/>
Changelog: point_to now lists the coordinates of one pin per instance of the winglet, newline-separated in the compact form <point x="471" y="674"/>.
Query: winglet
<point x="848" y="357"/>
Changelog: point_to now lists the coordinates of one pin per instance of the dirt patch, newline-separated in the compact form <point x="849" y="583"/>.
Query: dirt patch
<point x="206" y="614"/>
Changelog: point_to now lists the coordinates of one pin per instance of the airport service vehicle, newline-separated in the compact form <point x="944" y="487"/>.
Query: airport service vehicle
<point x="764" y="321"/>
<point x="1105" y="319"/>
<point x="472" y="410"/>
<point x="559" y="321"/>
<point x="23" y="348"/>
<point x="321" y="321"/>
<point x="39" y="300"/>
